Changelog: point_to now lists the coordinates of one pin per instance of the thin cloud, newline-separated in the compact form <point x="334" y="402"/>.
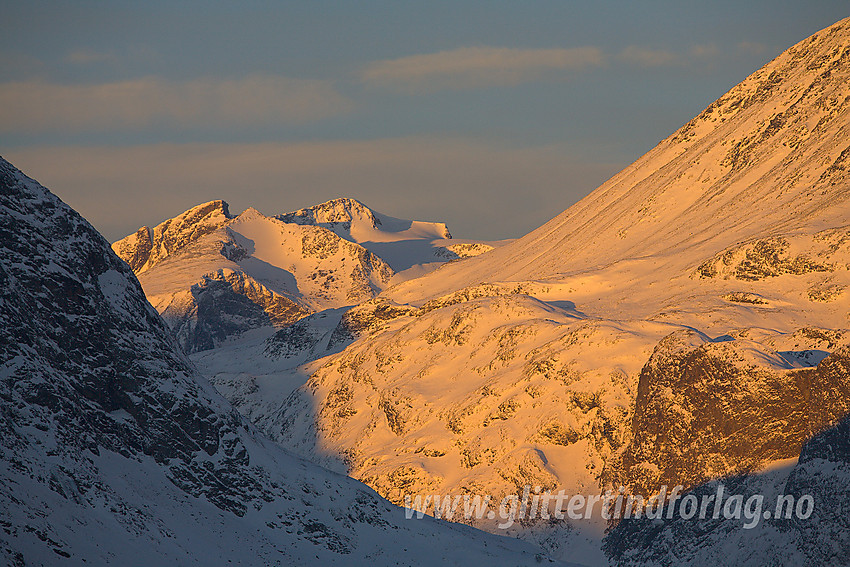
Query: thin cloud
<point x="476" y="67"/>
<point x="89" y="56"/>
<point x="704" y="51"/>
<point x="648" y="57"/>
<point x="37" y="106"/>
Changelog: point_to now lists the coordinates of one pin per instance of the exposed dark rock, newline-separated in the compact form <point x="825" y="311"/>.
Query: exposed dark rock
<point x="226" y="304"/>
<point x="367" y="318"/>
<point x="86" y="344"/>
<point x="704" y="411"/>
<point x="293" y="339"/>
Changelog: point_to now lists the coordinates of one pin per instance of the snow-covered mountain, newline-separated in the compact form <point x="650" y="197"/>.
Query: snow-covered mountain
<point x="213" y="275"/>
<point x="702" y="282"/>
<point x="116" y="451"/>
<point x="769" y="158"/>
<point x="403" y="244"/>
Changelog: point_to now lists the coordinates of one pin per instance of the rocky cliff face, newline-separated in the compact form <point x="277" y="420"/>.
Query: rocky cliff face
<point x="116" y="451"/>
<point x="224" y="304"/>
<point x="91" y="366"/>
<point x="149" y="246"/>
<point x="706" y="409"/>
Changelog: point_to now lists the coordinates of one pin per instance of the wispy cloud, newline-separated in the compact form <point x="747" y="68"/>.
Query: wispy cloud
<point x="475" y="67"/>
<point x="648" y="57"/>
<point x="704" y="51"/>
<point x="35" y="106"/>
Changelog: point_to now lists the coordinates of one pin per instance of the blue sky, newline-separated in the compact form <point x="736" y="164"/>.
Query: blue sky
<point x="490" y="116"/>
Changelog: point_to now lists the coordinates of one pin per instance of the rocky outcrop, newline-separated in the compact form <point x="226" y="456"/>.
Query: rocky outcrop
<point x="706" y="409"/>
<point x="458" y="251"/>
<point x="824" y="251"/>
<point x="225" y="304"/>
<point x="337" y="213"/>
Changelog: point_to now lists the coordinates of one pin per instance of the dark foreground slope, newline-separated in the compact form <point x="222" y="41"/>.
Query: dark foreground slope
<point x="114" y="450"/>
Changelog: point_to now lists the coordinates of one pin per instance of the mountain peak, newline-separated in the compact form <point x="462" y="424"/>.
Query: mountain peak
<point x="146" y="247"/>
<point x="250" y="213"/>
<point x="340" y="210"/>
<point x="354" y="221"/>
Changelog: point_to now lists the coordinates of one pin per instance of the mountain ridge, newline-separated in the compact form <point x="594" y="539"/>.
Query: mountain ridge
<point x="523" y="366"/>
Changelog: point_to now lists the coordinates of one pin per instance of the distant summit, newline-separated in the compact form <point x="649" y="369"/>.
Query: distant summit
<point x="213" y="275"/>
<point x="344" y="211"/>
<point x="354" y="221"/>
<point x="148" y="246"/>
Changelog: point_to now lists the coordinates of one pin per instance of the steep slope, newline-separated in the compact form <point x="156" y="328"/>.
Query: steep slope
<point x="148" y="246"/>
<point x="768" y="158"/>
<point x="116" y="451"/>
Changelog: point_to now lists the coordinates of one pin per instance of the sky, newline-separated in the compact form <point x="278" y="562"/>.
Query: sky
<point x="490" y="116"/>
